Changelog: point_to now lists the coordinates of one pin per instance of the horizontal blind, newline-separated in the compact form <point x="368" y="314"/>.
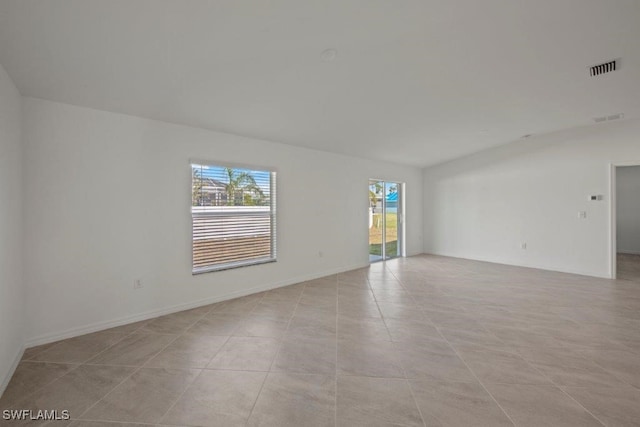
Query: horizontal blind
<point x="233" y="214"/>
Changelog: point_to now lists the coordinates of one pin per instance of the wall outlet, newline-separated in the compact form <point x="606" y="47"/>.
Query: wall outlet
<point x="523" y="245"/>
<point x="137" y="284"/>
<point x="582" y="214"/>
<point x="320" y="254"/>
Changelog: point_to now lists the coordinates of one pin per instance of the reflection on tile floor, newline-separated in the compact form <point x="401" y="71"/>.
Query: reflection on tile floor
<point x="418" y="341"/>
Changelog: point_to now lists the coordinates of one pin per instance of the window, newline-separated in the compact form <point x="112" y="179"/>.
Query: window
<point x="233" y="211"/>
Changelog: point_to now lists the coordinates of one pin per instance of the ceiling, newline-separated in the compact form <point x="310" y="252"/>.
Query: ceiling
<point x="417" y="82"/>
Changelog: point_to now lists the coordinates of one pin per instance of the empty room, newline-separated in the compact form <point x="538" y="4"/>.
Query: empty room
<point x="319" y="213"/>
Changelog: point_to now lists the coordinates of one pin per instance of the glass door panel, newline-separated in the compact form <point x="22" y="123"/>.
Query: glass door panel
<point x="385" y="220"/>
<point x="391" y="220"/>
<point x="376" y="220"/>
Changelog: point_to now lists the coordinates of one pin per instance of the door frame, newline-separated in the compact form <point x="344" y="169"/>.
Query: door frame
<point x="613" y="217"/>
<point x="401" y="220"/>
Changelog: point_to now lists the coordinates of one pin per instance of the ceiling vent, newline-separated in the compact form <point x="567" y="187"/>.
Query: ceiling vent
<point x="607" y="67"/>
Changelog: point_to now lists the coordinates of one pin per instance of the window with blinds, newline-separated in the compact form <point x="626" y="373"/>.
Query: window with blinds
<point x="233" y="211"/>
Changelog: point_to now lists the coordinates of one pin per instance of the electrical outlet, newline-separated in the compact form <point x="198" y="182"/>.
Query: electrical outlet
<point x="523" y="245"/>
<point x="320" y="254"/>
<point x="582" y="215"/>
<point x="137" y="284"/>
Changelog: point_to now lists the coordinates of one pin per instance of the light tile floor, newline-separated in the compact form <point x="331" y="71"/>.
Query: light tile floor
<point x="629" y="267"/>
<point x="420" y="341"/>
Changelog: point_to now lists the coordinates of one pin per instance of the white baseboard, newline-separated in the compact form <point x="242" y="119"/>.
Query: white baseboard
<point x="107" y="324"/>
<point x="533" y="266"/>
<point x="12" y="370"/>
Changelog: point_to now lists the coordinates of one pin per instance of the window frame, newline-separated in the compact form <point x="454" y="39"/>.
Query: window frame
<point x="273" y="194"/>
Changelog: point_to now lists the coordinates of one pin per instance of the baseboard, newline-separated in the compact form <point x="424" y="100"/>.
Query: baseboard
<point x="532" y="266"/>
<point x="12" y="370"/>
<point x="628" y="252"/>
<point x="100" y="326"/>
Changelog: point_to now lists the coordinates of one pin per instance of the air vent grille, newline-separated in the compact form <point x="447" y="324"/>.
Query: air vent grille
<point x="607" y="67"/>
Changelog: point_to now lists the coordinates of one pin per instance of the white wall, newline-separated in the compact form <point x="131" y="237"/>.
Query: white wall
<point x="108" y="199"/>
<point x="485" y="205"/>
<point x="11" y="286"/>
<point x="628" y="209"/>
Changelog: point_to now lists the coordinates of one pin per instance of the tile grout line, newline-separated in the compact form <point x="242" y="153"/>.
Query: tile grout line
<point x="170" y="407"/>
<point x="467" y="303"/>
<point x="532" y="367"/>
<point x="610" y="372"/>
<point x="220" y="349"/>
<point x="475" y="376"/>
<point x="382" y="316"/>
<point x="579" y="404"/>
<point x="202" y="370"/>
<point x="136" y="331"/>
<point x="558" y="387"/>
<point x="77" y="365"/>
<point x="408" y="382"/>
<point x="186" y="331"/>
<point x="406" y="379"/>
<point x="129" y="376"/>
<point x="561" y="389"/>
<point x="86" y="362"/>
<point x="266" y="376"/>
<point x="516" y="352"/>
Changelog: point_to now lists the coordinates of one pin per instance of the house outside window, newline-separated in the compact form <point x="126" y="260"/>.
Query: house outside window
<point x="233" y="211"/>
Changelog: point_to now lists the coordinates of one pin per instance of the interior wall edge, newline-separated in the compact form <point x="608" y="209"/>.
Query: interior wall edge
<point x="531" y="203"/>
<point x="107" y="324"/>
<point x="12" y="281"/>
<point x="12" y="369"/>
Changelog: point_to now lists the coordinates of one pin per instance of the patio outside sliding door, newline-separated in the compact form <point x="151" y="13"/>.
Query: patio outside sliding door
<point x="385" y="220"/>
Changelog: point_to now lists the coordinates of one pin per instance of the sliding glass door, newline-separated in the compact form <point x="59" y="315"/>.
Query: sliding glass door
<point x="385" y="220"/>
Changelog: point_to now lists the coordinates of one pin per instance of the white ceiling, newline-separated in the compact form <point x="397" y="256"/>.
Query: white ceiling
<point x="415" y="81"/>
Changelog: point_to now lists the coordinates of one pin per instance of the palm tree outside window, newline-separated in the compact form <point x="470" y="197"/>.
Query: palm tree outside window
<point x="233" y="213"/>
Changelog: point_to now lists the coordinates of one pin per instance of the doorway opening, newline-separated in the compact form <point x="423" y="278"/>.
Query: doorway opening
<point x="626" y="222"/>
<point x="386" y="225"/>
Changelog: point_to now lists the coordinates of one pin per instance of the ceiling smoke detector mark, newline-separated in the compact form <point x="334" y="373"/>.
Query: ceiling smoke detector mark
<point x="329" y="55"/>
<point x="607" y="67"/>
<point x="617" y="116"/>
